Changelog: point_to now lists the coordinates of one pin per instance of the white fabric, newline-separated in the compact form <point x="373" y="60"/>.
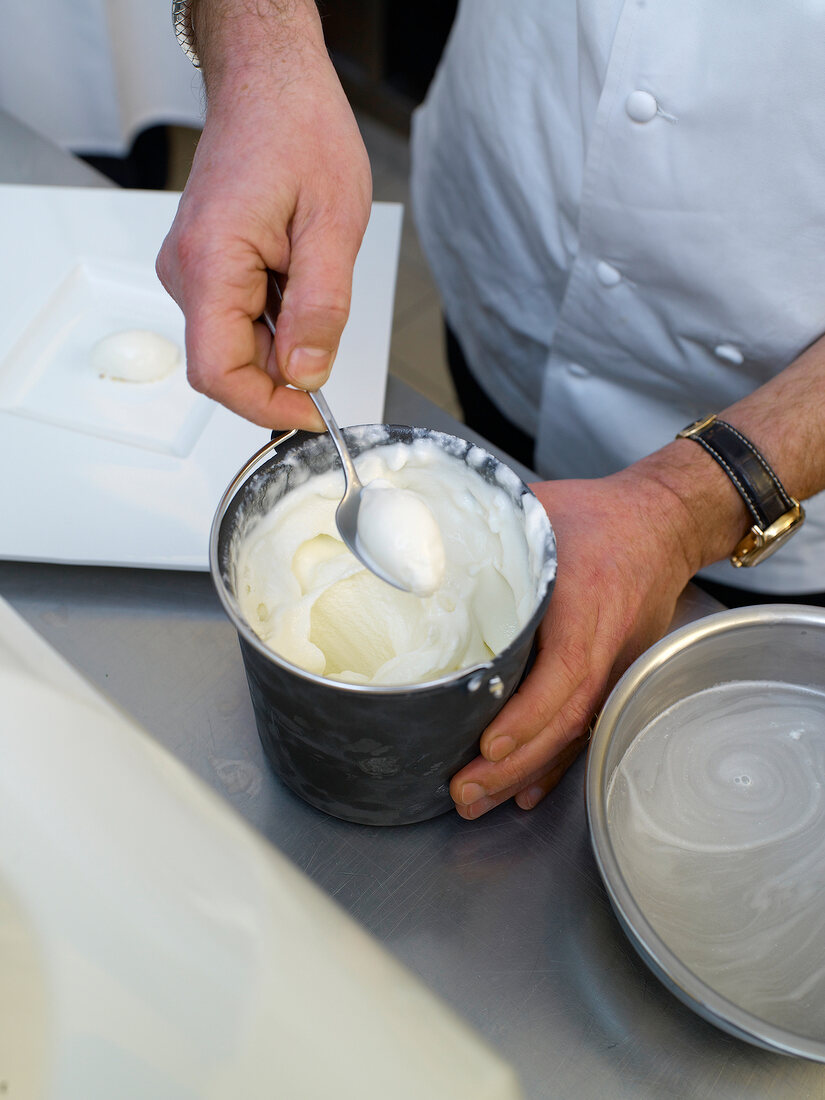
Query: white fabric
<point x="612" y="272"/>
<point x="90" y="74"/>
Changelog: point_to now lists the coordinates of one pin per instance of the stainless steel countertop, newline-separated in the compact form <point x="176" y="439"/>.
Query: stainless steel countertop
<point x="505" y="918"/>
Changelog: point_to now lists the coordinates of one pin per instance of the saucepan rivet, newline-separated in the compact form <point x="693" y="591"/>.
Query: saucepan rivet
<point x="496" y="687"/>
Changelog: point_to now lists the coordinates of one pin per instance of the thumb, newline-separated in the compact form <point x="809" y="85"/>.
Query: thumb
<point x="315" y="306"/>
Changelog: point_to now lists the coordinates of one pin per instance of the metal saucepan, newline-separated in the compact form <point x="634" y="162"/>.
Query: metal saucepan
<point x="376" y="755"/>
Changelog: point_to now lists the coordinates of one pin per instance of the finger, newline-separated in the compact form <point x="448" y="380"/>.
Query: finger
<point x="253" y="387"/>
<point x="265" y="353"/>
<point x="287" y="402"/>
<point x="481" y="779"/>
<point x="562" y="666"/>
<point x="316" y="301"/>
<point x="229" y="357"/>
<point x="252" y="394"/>
<point x="537" y="785"/>
<point x="530" y="797"/>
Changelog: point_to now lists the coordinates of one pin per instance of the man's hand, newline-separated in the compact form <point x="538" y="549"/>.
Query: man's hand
<point x="281" y="180"/>
<point x="622" y="563"/>
<point x="627" y="546"/>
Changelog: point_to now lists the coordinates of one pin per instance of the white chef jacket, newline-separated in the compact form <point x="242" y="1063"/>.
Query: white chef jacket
<point x="623" y="203"/>
<point x="91" y="74"/>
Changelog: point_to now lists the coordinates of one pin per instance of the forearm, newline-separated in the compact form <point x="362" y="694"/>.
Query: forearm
<point x="784" y="419"/>
<point x="236" y="40"/>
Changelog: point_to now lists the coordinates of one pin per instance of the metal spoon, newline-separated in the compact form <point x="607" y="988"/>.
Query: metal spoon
<point x="346" y="514"/>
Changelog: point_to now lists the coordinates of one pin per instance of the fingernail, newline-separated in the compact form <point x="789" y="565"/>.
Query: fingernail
<point x="477" y="809"/>
<point x="501" y="747"/>
<point x="308" y="366"/>
<point x="528" y="799"/>
<point x="471" y="792"/>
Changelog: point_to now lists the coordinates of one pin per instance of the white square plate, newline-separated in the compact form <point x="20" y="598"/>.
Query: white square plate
<point x="49" y="374"/>
<point x="96" y="471"/>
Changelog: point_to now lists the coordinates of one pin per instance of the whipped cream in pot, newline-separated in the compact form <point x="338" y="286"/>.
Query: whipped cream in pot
<point x="480" y="561"/>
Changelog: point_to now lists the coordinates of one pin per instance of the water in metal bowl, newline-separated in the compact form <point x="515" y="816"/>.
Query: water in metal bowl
<point x="706" y="806"/>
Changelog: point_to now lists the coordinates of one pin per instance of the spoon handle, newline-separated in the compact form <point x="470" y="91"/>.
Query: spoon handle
<point x="321" y="405"/>
<point x="274" y="297"/>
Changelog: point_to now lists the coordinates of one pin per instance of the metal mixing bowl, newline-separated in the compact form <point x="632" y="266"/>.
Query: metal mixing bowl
<point x="775" y="644"/>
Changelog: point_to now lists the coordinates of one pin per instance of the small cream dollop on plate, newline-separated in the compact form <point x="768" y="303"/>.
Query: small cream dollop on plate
<point x="399" y="532"/>
<point x="135" y="355"/>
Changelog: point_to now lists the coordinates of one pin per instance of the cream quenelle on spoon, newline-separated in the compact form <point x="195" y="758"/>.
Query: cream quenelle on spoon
<point x="391" y="531"/>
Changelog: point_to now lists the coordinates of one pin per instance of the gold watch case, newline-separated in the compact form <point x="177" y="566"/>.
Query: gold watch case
<point x="758" y="544"/>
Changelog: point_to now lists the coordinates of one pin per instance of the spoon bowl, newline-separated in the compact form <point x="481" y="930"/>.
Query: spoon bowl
<point x="346" y="514"/>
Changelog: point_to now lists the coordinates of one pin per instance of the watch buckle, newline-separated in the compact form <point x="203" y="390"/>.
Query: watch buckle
<point x="759" y="544"/>
<point x="696" y="428"/>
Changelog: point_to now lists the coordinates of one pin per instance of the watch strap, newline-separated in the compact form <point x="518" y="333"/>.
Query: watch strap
<point x="775" y="513"/>
<point x="184" y="32"/>
<point x="749" y="470"/>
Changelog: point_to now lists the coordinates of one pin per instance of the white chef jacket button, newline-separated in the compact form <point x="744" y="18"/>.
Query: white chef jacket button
<point x="577" y="370"/>
<point x="641" y="106"/>
<point x="607" y="274"/>
<point x="729" y="353"/>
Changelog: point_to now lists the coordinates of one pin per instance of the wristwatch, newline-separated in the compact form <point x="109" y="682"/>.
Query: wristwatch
<point x="775" y="513"/>
<point x="182" y="24"/>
